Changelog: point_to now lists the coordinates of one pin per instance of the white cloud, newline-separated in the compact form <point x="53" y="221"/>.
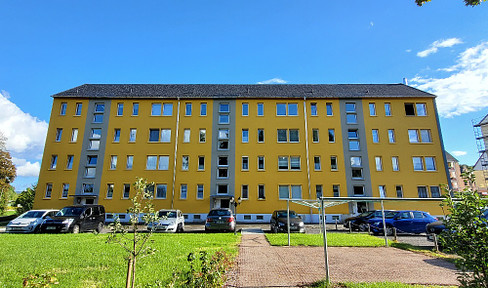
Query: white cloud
<point x="465" y="90"/>
<point x="26" y="168"/>
<point x="371" y="24"/>
<point x="459" y="153"/>
<point x="273" y="81"/>
<point x="25" y="134"/>
<point x="434" y="47"/>
<point x="408" y="50"/>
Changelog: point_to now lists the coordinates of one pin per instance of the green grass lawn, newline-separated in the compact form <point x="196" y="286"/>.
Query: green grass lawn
<point x="333" y="239"/>
<point x="85" y="260"/>
<point x="376" y="285"/>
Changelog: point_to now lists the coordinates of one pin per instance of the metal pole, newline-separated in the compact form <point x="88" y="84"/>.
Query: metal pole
<point x="324" y="235"/>
<point x="384" y="222"/>
<point x="235" y="212"/>
<point x="288" y="219"/>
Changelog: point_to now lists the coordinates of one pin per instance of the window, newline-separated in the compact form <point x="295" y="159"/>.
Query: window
<point x="183" y="191"/>
<point x="282" y="135"/>
<point x="65" y="190"/>
<point x="292" y="109"/>
<point x="245" y="135"/>
<point x="313" y="109"/>
<point x="353" y="145"/>
<point x="387" y="109"/>
<point x="333" y="163"/>
<point x="156" y="109"/>
<point x="409" y="109"/>
<point x="352" y="134"/>
<point x="281" y="109"/>
<point x="351" y="107"/>
<point x="49" y="190"/>
<point x="185" y="162"/>
<point x="222" y="189"/>
<point x="376" y="136"/>
<point x="399" y="191"/>
<point x="92" y="160"/>
<point x="382" y="191"/>
<point x="223" y="161"/>
<point x="78" y="109"/>
<point x="328" y="107"/>
<point x="186" y="136"/>
<point x="201" y="163"/>
<point x="110" y="191"/>
<point x="260" y="109"/>
<point x="260" y="135"/>
<point x="163" y="163"/>
<point x="203" y="109"/>
<point x="99" y="107"/>
<point x="224" y="108"/>
<point x="358" y="190"/>
<point x="153" y="135"/>
<point x="316" y="163"/>
<point x="224" y="119"/>
<point x="132" y="135"/>
<point x="126" y="192"/>
<point x="413" y="136"/>
<point x="135" y="109"/>
<point x="202" y="135"/>
<point x="94" y="145"/>
<point x="430" y="164"/>
<point x="282" y="162"/>
<point x="74" y="135"/>
<point x="245" y="163"/>
<point x="54" y="161"/>
<point x="318" y="191"/>
<point x="223" y="145"/>
<point x="351" y="119"/>
<point x="120" y="109"/>
<point x="244" y="192"/>
<point x="315" y="135"/>
<point x="412" y="109"/>
<point x="294" y="162"/>
<point x="151" y="162"/>
<point x="357" y="173"/>
<point x="69" y="162"/>
<point x="113" y="162"/>
<point x="356" y="161"/>
<point x="418" y="164"/>
<point x="188" y="109"/>
<point x="161" y="190"/>
<point x="130" y="162"/>
<point x="379" y="163"/>
<point x="97" y="118"/>
<point x="283" y="191"/>
<point x="372" y="109"/>
<point x="223" y="133"/>
<point x="425" y="136"/>
<point x="422" y="191"/>
<point x="62" y="111"/>
<point x="90" y="172"/>
<point x="261" y="191"/>
<point x="331" y="135"/>
<point x="294" y="136"/>
<point x="245" y="109"/>
<point x="391" y="136"/>
<point x="116" y="135"/>
<point x="222" y="173"/>
<point x="165" y="135"/>
<point x="394" y="163"/>
<point x="96" y="133"/>
<point x="260" y="162"/>
<point x="87" y="188"/>
<point x="167" y="109"/>
<point x="336" y="190"/>
<point x="200" y="191"/>
<point x="223" y="139"/>
<point x="435" y="192"/>
<point x="59" y="132"/>
<point x="421" y="110"/>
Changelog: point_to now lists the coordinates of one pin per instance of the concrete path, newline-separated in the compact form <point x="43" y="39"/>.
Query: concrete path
<point x="262" y="265"/>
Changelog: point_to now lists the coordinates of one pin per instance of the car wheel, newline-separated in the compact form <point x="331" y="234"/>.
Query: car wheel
<point x="37" y="229"/>
<point x="274" y="229"/>
<point x="389" y="230"/>
<point x="179" y="229"/>
<point x="363" y="227"/>
<point x="76" y="229"/>
<point x="99" y="227"/>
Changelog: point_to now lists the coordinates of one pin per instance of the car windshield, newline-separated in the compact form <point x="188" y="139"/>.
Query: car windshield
<point x="32" y="214"/>
<point x="388" y="214"/>
<point x="366" y="214"/>
<point x="167" y="214"/>
<point x="219" y="213"/>
<point x="70" y="211"/>
<point x="282" y="214"/>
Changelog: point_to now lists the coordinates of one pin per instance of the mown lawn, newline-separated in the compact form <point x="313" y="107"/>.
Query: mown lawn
<point x="333" y="239"/>
<point x="85" y="260"/>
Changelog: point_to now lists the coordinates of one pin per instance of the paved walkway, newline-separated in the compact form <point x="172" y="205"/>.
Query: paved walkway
<point x="262" y="265"/>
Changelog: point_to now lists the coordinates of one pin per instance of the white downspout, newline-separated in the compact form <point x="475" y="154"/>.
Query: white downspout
<point x="307" y="151"/>
<point x="176" y="153"/>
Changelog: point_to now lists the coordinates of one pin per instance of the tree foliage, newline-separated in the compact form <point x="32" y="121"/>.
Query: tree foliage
<point x="466" y="2"/>
<point x="25" y="200"/>
<point x="7" y="174"/>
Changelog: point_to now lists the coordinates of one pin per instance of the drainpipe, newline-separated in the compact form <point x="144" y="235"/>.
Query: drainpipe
<point x="176" y="153"/>
<point x="307" y="151"/>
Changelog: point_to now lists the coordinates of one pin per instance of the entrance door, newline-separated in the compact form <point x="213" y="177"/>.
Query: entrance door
<point x="362" y="207"/>
<point x="224" y="203"/>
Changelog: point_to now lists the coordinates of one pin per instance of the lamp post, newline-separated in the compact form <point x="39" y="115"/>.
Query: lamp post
<point x="236" y="203"/>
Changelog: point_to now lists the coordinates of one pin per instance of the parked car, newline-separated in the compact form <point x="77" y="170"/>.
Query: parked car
<point x="279" y="222"/>
<point x="29" y="222"/>
<point x="170" y="221"/>
<point x="438" y="226"/>
<point x="407" y="221"/>
<point x="75" y="219"/>
<point x="220" y="219"/>
<point x="360" y="222"/>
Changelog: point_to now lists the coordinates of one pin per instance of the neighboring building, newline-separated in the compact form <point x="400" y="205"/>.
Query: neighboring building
<point x="203" y="145"/>
<point x="481" y="166"/>
<point x="457" y="182"/>
<point x="480" y="173"/>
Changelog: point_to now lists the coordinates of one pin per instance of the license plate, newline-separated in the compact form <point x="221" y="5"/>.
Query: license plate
<point x="50" y="228"/>
<point x="220" y="222"/>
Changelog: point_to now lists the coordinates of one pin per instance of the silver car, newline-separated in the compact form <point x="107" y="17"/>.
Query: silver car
<point x="30" y="221"/>
<point x="170" y="221"/>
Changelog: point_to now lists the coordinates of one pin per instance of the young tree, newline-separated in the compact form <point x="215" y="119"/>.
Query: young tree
<point x="135" y="244"/>
<point x="7" y="173"/>
<point x="25" y="200"/>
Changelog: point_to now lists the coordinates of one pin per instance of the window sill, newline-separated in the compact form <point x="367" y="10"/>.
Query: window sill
<point x="261" y="199"/>
<point x="46" y="198"/>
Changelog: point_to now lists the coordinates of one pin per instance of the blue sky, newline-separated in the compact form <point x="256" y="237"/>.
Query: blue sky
<point x="51" y="46"/>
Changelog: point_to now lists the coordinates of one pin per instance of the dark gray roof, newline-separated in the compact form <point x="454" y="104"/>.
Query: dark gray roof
<point x="450" y="158"/>
<point x="483" y="121"/>
<point x="243" y="91"/>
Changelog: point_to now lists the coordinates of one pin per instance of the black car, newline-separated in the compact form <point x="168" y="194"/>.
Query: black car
<point x="220" y="219"/>
<point x="360" y="222"/>
<point x="279" y="220"/>
<point x="75" y="219"/>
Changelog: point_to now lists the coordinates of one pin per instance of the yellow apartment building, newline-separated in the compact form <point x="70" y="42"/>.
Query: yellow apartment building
<point x="205" y="145"/>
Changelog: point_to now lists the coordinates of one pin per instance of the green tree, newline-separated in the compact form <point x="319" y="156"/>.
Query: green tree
<point x="7" y="174"/>
<point x="135" y="243"/>
<point x="25" y="200"/>
<point x="466" y="2"/>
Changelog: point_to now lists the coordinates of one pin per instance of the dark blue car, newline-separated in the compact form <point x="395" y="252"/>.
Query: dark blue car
<point x="405" y="221"/>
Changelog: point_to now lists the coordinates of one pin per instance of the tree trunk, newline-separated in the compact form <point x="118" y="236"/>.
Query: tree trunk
<point x="129" y="273"/>
<point x="134" y="272"/>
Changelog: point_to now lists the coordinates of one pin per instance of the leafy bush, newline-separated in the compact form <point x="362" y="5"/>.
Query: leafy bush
<point x="205" y="271"/>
